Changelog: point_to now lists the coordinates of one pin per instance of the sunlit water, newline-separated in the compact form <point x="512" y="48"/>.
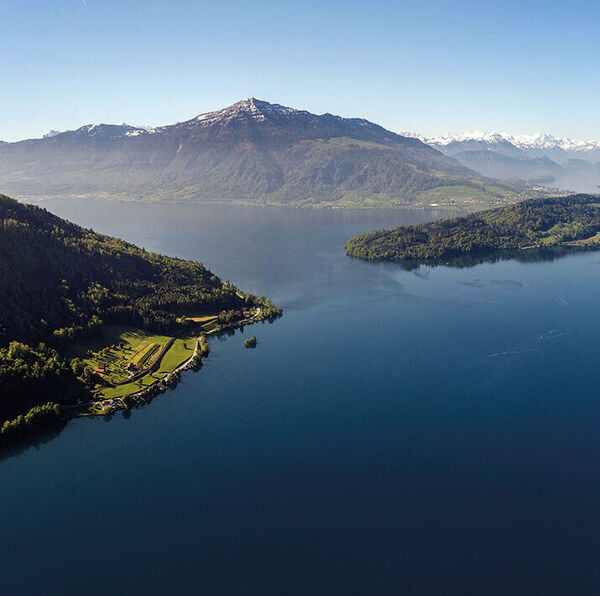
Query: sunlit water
<point x="427" y="432"/>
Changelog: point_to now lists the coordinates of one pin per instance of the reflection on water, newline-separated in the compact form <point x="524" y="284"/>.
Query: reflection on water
<point x="37" y="441"/>
<point x="532" y="255"/>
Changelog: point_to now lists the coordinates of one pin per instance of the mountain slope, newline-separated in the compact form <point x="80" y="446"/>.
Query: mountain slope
<point x="540" y="170"/>
<point x="252" y="151"/>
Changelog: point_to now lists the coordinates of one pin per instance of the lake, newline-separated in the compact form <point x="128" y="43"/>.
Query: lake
<point x="395" y="432"/>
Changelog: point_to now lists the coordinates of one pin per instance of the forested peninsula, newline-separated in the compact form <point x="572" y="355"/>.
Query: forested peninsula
<point x="572" y="221"/>
<point x="87" y="320"/>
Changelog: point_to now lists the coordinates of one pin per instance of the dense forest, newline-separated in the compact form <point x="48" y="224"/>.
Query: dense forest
<point x="538" y="223"/>
<point x="58" y="279"/>
<point x="60" y="282"/>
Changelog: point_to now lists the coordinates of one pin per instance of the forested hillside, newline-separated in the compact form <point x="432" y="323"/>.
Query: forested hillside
<point x="57" y="279"/>
<point x="60" y="283"/>
<point x="560" y="221"/>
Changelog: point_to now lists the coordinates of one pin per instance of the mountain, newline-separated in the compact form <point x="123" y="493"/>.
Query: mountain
<point x="560" y="223"/>
<point x="562" y="148"/>
<point x="106" y="131"/>
<point x="564" y="163"/>
<point x="253" y="152"/>
<point x="452" y="144"/>
<point x="559" y="148"/>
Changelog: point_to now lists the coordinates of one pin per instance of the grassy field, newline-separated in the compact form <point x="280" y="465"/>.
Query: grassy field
<point x="205" y="322"/>
<point x="180" y="351"/>
<point x="135" y="346"/>
<point x="128" y="388"/>
<point x="200" y="319"/>
<point x="131" y="345"/>
<point x="144" y="354"/>
<point x="118" y="347"/>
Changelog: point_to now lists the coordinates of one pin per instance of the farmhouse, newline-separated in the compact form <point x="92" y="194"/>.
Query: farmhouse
<point x="101" y="368"/>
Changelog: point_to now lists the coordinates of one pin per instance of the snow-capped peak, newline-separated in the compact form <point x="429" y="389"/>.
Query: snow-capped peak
<point x="474" y="135"/>
<point x="251" y="107"/>
<point x="413" y="135"/>
<point x="535" y="141"/>
<point x="548" y="141"/>
<point x="103" y="130"/>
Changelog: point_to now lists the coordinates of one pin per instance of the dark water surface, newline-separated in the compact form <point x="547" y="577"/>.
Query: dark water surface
<point x="427" y="432"/>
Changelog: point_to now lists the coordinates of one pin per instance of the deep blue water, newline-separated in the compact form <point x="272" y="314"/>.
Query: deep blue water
<point x="427" y="432"/>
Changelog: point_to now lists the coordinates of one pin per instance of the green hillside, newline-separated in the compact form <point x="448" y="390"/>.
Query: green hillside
<point x="57" y="278"/>
<point x="538" y="223"/>
<point x="60" y="284"/>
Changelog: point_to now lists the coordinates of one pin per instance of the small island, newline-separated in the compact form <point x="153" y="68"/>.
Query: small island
<point x="90" y="324"/>
<point x="572" y="221"/>
<point x="250" y="342"/>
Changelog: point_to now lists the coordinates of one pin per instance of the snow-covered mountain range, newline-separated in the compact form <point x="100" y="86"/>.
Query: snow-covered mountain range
<point x="548" y="141"/>
<point x="536" y="142"/>
<point x="544" y="159"/>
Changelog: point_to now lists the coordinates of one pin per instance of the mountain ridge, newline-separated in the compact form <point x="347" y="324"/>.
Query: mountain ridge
<point x="567" y="164"/>
<point x="253" y="152"/>
<point x="541" y="140"/>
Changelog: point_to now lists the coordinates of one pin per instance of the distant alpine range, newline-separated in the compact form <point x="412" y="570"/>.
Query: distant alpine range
<point x="251" y="152"/>
<point x="563" y="163"/>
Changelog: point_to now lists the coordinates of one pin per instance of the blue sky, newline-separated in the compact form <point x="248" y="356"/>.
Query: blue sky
<point x="431" y="67"/>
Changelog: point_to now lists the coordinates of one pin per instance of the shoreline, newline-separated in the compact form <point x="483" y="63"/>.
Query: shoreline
<point x="326" y="206"/>
<point x="144" y="396"/>
<point x="66" y="413"/>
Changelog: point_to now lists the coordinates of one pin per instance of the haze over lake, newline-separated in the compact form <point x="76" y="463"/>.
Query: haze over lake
<point x="434" y="431"/>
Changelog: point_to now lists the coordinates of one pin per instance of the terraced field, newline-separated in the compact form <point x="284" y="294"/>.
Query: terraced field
<point x="143" y="355"/>
<point x="133" y="346"/>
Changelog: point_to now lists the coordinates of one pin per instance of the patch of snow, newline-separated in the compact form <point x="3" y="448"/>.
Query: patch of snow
<point x="474" y="135"/>
<point x="548" y="141"/>
<point x="53" y="133"/>
<point x="252" y="109"/>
